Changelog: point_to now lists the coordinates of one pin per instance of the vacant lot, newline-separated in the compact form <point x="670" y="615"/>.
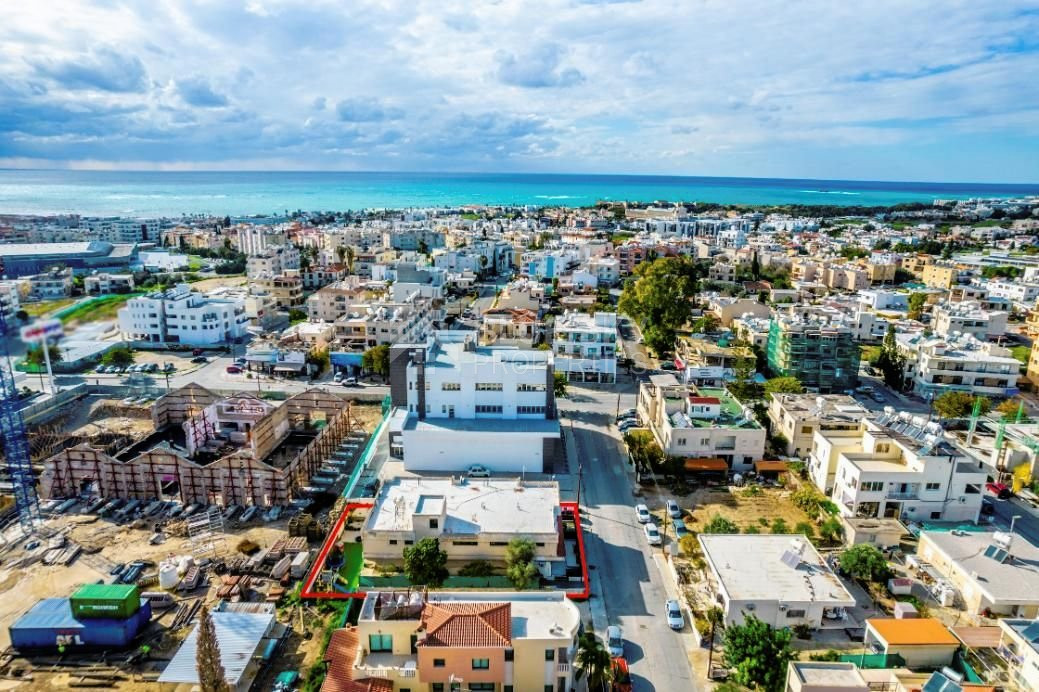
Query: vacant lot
<point x="45" y="306"/>
<point x="746" y="507"/>
<point x="96" y="309"/>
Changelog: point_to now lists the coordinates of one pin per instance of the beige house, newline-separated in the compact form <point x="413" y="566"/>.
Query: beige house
<point x="728" y="309"/>
<point x="820" y="676"/>
<point x="797" y="417"/>
<point x="287" y="289"/>
<point x="498" y="642"/>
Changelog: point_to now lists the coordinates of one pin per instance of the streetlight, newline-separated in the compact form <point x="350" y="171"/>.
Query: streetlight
<point x="1013" y="520"/>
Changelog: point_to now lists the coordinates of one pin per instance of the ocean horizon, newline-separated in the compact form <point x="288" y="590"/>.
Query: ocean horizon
<point x="176" y="193"/>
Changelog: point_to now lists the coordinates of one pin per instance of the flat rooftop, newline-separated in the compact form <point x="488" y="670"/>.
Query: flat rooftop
<point x="1013" y="581"/>
<point x="828" y="406"/>
<point x="826" y="674"/>
<point x="495" y="425"/>
<point x="472" y="506"/>
<point x="750" y="567"/>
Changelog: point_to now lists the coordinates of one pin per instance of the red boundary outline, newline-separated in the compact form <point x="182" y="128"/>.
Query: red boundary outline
<point x="333" y="535"/>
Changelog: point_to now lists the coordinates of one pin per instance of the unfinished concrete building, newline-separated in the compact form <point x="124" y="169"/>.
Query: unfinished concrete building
<point x="211" y="450"/>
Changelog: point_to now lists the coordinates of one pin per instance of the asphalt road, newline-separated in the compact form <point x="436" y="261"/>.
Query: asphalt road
<point x="632" y="589"/>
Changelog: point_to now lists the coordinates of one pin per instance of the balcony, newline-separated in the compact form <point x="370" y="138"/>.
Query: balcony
<point x="386" y="665"/>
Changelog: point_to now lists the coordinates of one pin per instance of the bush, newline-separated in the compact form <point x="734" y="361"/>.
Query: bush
<point x="779" y="525"/>
<point x="719" y="524"/>
<point x="247" y="547"/>
<point x="802" y="631"/>
<point x="805" y="528"/>
<point x="830" y="655"/>
<point x="477" y="568"/>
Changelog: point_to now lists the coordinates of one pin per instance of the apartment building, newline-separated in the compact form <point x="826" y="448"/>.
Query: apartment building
<point x="274" y="260"/>
<point x="331" y="302"/>
<point x="179" y="316"/>
<point x="901" y="467"/>
<point x="704" y="363"/>
<point x="385" y="322"/>
<point x="606" y="270"/>
<point x="585" y="346"/>
<point x="630" y="255"/>
<point x="881" y="299"/>
<point x="1019" y="648"/>
<point x="322" y="275"/>
<point x="413" y="239"/>
<point x="440" y="641"/>
<point x="880" y="269"/>
<point x="455" y="399"/>
<point x="935" y="365"/>
<point x="1016" y="291"/>
<point x="50" y="285"/>
<point x="824" y="357"/>
<point x="940" y="275"/>
<point x="117" y="229"/>
<point x="797" y="417"/>
<point x="470" y="518"/>
<point x="722" y="271"/>
<point x="10" y="298"/>
<point x="287" y="289"/>
<point x="700" y="423"/>
<point x="162" y="261"/>
<point x="253" y="239"/>
<point x="100" y="284"/>
<point x="727" y="309"/>
<point x="968" y="317"/>
<point x="548" y="264"/>
<point x="845" y="277"/>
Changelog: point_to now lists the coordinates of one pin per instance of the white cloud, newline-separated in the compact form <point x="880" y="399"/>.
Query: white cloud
<point x="810" y="89"/>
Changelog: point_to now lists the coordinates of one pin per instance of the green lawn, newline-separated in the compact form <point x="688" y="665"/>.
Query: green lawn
<point x="45" y="306"/>
<point x="1021" y="353"/>
<point x="103" y="308"/>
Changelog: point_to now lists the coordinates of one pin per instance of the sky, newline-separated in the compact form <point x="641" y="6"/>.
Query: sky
<point x="879" y="90"/>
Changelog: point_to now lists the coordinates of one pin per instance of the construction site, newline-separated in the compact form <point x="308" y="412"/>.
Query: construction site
<point x="199" y="500"/>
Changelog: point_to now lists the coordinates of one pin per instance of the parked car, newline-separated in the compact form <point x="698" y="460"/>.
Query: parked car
<point x="478" y="471"/>
<point x="153" y="367"/>
<point x="627" y="425"/>
<point x="642" y="514"/>
<point x="614" y="640"/>
<point x="199" y="359"/>
<point x="233" y="369"/>
<point x="652" y="534"/>
<point x="1000" y="490"/>
<point x="169" y="367"/>
<point x="680" y="529"/>
<point x="627" y="413"/>
<point x="338" y="377"/>
<point x="673" y="510"/>
<point x="673" y="612"/>
<point x="350" y="382"/>
<point x="196" y="352"/>
<point x="878" y="397"/>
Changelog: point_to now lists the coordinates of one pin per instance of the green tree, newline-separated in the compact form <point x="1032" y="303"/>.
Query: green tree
<point x="519" y="563"/>
<point x="560" y="383"/>
<point x="645" y="453"/>
<point x="341" y="253"/>
<point x="593" y="661"/>
<point x="658" y="299"/>
<point x="425" y="563"/>
<point x="296" y="315"/>
<point x="708" y="324"/>
<point x="917" y="301"/>
<point x="1010" y="407"/>
<point x="34" y="356"/>
<point x="958" y="404"/>
<point x="757" y="654"/>
<point x="784" y="385"/>
<point x="319" y="358"/>
<point x="719" y="524"/>
<point x="211" y="676"/>
<point x="889" y="361"/>
<point x="377" y="360"/>
<point x="780" y="526"/>
<point x="865" y="562"/>
<point x="423" y="247"/>
<point x="831" y="530"/>
<point x="755" y="268"/>
<point x="805" y="528"/>
<point x="120" y="356"/>
<point x="351" y="257"/>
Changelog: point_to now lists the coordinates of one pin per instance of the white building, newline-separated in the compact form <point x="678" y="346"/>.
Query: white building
<point x="474" y="519"/>
<point x="968" y="317"/>
<point x="1014" y="290"/>
<point x="455" y="400"/>
<point x="898" y="467"/>
<point x="700" y="423"/>
<point x="121" y="230"/>
<point x="179" y="316"/>
<point x="1019" y="647"/>
<point x="255" y="239"/>
<point x="162" y="261"/>
<point x="585" y="346"/>
<point x="797" y="417"/>
<point x="780" y="579"/>
<point x="883" y="299"/>
<point x="274" y="260"/>
<point x="935" y="365"/>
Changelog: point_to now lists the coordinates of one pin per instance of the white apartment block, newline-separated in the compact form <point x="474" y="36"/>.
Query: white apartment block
<point x="607" y="270"/>
<point x="1016" y="291"/>
<point x="107" y="283"/>
<point x="700" y="423"/>
<point x="120" y="230"/>
<point x="797" y="417"/>
<point x="178" y="316"/>
<point x="456" y="400"/>
<point x="272" y="261"/>
<point x="331" y="302"/>
<point x="585" y="346"/>
<point x="968" y="317"/>
<point x="935" y="365"/>
<point x="899" y="467"/>
<point x="162" y="261"/>
<point x="254" y="239"/>
<point x="50" y="285"/>
<point x="10" y="298"/>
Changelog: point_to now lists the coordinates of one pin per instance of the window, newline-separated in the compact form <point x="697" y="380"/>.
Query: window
<point x="481" y="686"/>
<point x="507" y="688"/>
<point x="434" y="523"/>
<point x="486" y="408"/>
<point x="380" y="642"/>
<point x="795" y="613"/>
<point x="933" y="486"/>
<point x="451" y="387"/>
<point x="438" y="687"/>
<point x="481" y="663"/>
<point x="530" y="409"/>
<point x="488" y="386"/>
<point x="530" y="388"/>
<point x="409" y="542"/>
<point x="465" y="543"/>
<point x="549" y="688"/>
<point x="550" y="654"/>
<point x="393" y="541"/>
<point x="438" y="663"/>
<point x="509" y="654"/>
<point x="936" y="515"/>
<point x="872" y="486"/>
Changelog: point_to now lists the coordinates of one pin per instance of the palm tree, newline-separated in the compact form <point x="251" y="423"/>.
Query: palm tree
<point x="350" y="255"/>
<point x="593" y="660"/>
<point x="340" y="252"/>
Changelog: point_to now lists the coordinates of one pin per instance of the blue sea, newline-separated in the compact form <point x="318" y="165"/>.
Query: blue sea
<point x="240" y="193"/>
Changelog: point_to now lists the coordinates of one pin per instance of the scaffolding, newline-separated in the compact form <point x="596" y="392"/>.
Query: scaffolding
<point x="206" y="531"/>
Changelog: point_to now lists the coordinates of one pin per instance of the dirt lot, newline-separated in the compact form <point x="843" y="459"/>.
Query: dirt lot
<point x="746" y="507"/>
<point x="219" y="282"/>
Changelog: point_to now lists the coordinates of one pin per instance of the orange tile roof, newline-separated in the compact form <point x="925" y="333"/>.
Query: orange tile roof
<point x="913" y="632"/>
<point x="706" y="465"/>
<point x="340" y="656"/>
<point x="767" y="465"/>
<point x="467" y="624"/>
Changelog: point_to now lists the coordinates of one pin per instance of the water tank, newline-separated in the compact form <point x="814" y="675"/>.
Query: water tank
<point x="168" y="576"/>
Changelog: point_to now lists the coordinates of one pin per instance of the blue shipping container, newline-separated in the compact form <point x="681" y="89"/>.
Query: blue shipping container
<point x="50" y="624"/>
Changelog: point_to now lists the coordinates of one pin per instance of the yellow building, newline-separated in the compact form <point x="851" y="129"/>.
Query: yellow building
<point x="940" y="275"/>
<point x="1032" y="374"/>
<point x="436" y="642"/>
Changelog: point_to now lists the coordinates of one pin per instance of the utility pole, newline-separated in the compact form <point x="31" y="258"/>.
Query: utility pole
<point x="580" y="475"/>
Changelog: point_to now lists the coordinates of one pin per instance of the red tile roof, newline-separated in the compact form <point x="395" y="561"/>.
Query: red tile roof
<point x="705" y="400"/>
<point x="479" y="625"/>
<point x="340" y="656"/>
